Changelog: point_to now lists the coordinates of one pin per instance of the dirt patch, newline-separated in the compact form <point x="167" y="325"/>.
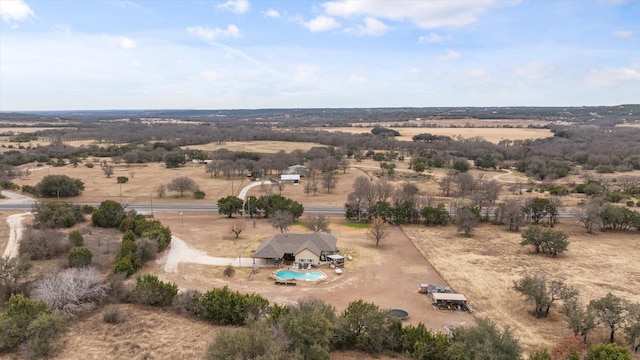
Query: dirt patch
<point x="388" y="275"/>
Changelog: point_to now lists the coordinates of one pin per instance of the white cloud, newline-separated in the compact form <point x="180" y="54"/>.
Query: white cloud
<point x="622" y="33"/>
<point x="608" y="77"/>
<point x="450" y="55"/>
<point x="209" y="75"/>
<point x="307" y="74"/>
<point x="15" y="10"/>
<point x="433" y="38"/>
<point x="236" y="6"/>
<point x="414" y="71"/>
<point x="208" y="33"/>
<point x="372" y="27"/>
<point x="322" y="23"/>
<point x="271" y="13"/>
<point x="357" y="79"/>
<point x="425" y="14"/>
<point x="534" y="71"/>
<point x="124" y="42"/>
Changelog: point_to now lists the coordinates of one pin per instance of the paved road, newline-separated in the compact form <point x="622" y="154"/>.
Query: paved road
<point x="24" y="203"/>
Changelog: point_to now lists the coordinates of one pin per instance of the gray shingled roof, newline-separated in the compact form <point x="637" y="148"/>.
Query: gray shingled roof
<point x="280" y="244"/>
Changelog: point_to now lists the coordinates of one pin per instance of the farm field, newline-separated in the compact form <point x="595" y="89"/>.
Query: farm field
<point x="493" y="135"/>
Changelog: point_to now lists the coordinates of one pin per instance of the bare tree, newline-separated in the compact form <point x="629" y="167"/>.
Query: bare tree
<point x="329" y="181"/>
<point x="378" y="230"/>
<point x="72" y="291"/>
<point x="510" y="213"/>
<point x="161" y="190"/>
<point x="589" y="215"/>
<point x="107" y="170"/>
<point x="344" y="165"/>
<point x="281" y="220"/>
<point x="182" y="184"/>
<point x="317" y="223"/>
<point x="132" y="173"/>
<point x="466" y="218"/>
<point x="236" y="227"/>
<point x="266" y="188"/>
<point x="311" y="186"/>
<point x="628" y="183"/>
<point x="446" y="183"/>
<point x="12" y="272"/>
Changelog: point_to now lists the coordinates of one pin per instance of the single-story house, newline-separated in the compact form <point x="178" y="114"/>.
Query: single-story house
<point x="295" y="179"/>
<point x="307" y="249"/>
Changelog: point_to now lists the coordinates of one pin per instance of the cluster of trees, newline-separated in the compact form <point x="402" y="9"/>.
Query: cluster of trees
<point x="142" y="238"/>
<point x="598" y="214"/>
<point x="265" y="205"/>
<point x="56" y="186"/>
<point x="611" y="311"/>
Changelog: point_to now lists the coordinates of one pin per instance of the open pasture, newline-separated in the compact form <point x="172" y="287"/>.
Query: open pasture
<point x="494" y="135"/>
<point x="484" y="267"/>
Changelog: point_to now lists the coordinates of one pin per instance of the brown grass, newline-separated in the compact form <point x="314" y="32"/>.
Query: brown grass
<point x="485" y="265"/>
<point x="482" y="267"/>
<point x="494" y="135"/>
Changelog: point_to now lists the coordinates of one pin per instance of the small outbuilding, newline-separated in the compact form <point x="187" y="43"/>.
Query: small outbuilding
<point x="290" y="178"/>
<point x="449" y="301"/>
<point x="336" y="260"/>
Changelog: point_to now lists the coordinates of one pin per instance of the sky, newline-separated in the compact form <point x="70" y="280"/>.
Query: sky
<point x="242" y="54"/>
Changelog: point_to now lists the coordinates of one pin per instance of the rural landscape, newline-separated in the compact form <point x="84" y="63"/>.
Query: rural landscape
<point x="134" y="233"/>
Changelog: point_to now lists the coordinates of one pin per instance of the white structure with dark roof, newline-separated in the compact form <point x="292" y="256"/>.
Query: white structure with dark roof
<point x="302" y="248"/>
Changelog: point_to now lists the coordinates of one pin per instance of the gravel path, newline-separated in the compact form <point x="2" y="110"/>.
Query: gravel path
<point x="15" y="234"/>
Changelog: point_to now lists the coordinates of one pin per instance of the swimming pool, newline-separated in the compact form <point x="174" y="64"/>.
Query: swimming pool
<point x="312" y="275"/>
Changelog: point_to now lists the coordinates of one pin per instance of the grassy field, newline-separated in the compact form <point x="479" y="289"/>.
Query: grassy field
<point x="482" y="267"/>
<point x="494" y="135"/>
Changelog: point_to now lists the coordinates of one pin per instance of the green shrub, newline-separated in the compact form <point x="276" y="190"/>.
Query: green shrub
<point x="55" y="214"/>
<point x="146" y="249"/>
<point x="76" y="238"/>
<point x="108" y="215"/>
<point x="20" y="311"/>
<point x="113" y="315"/>
<point x="150" y="290"/>
<point x="630" y="203"/>
<point x="225" y="307"/>
<point x="79" y="256"/>
<point x="122" y="179"/>
<point x="615" y="196"/>
<point x="42" y="334"/>
<point x="608" y="352"/>
<point x="198" y="194"/>
<point x="127" y="265"/>
<point x="89" y="165"/>
<point x="29" y="189"/>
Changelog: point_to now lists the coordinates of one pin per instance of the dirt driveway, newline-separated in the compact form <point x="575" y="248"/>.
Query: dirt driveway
<point x="388" y="275"/>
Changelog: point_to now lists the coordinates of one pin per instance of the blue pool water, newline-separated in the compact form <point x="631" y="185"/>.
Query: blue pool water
<point x="299" y="275"/>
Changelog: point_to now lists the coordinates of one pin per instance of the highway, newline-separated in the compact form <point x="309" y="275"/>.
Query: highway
<point x="187" y="207"/>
